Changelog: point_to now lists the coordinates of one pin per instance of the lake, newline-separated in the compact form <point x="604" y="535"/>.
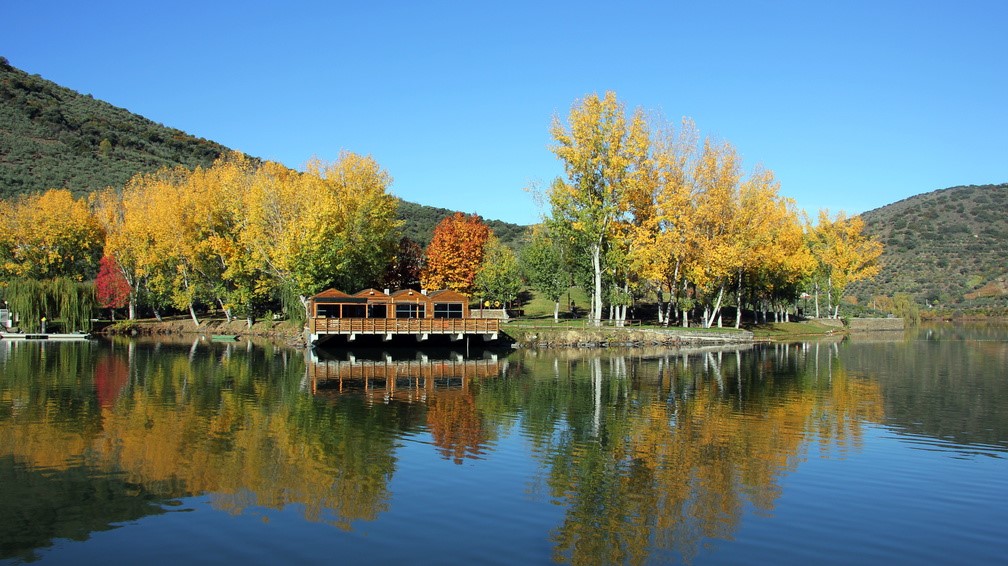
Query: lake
<point x="876" y="449"/>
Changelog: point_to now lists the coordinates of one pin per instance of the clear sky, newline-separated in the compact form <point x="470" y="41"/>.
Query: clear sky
<point x="854" y="104"/>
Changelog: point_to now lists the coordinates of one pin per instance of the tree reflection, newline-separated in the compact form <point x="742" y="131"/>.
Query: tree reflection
<point x="653" y="458"/>
<point x="233" y="423"/>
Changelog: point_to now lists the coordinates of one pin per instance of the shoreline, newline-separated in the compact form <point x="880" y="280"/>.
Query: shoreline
<point x="520" y="335"/>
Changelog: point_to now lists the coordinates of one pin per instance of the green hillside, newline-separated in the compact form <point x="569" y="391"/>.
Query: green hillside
<point x="420" y="220"/>
<point x="53" y="137"/>
<point x="947" y="248"/>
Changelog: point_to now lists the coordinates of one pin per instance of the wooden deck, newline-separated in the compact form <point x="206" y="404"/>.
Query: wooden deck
<point x="420" y="327"/>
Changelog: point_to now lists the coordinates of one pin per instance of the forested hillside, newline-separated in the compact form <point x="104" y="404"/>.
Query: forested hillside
<point x="947" y="248"/>
<point x="419" y="222"/>
<point x="53" y="137"/>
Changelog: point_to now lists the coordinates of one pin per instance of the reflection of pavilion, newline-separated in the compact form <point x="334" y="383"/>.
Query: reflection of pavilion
<point x="382" y="377"/>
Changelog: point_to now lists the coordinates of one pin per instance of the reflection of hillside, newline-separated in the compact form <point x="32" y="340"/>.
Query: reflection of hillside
<point x="654" y="457"/>
<point x="946" y="383"/>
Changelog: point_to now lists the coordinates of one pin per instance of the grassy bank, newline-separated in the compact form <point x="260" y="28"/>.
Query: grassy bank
<point x="282" y="331"/>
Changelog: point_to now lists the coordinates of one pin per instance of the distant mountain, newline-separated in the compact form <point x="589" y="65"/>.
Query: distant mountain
<point x="947" y="248"/>
<point x="54" y="137"/>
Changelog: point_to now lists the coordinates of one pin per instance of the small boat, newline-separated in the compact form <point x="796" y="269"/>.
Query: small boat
<point x="224" y="337"/>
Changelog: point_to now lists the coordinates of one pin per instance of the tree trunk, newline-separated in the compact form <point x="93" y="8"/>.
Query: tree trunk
<point x="597" y="264"/>
<point x="157" y="315"/>
<point x="738" y="301"/>
<point x="816" y="291"/>
<point x="227" y="311"/>
<point x="717" y="308"/>
<point x="556" y="312"/>
<point x="829" y="293"/>
<point x="685" y="318"/>
<point x="661" y="315"/>
<point x="192" y="313"/>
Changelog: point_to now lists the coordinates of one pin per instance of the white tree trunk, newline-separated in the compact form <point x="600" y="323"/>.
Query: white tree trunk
<point x="597" y="264"/>
<point x="738" y="302"/>
<point x="556" y="312"/>
<point x="717" y="308"/>
<point x="817" y="300"/>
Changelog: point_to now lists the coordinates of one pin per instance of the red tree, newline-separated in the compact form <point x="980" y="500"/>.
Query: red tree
<point x="455" y="253"/>
<point x="111" y="288"/>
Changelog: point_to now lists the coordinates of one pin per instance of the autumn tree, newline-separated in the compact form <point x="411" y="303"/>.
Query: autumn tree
<point x="601" y="151"/>
<point x="664" y="243"/>
<point x="112" y="291"/>
<point x="48" y="236"/>
<point x="844" y="254"/>
<point x="332" y="226"/>
<point x="455" y="253"/>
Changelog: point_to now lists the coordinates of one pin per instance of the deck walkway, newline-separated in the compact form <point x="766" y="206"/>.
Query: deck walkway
<point x="43" y="336"/>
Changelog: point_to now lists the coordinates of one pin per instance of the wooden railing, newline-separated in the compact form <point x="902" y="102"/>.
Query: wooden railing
<point x="404" y="326"/>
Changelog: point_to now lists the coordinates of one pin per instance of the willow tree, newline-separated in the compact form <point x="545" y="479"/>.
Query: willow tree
<point x="601" y="150"/>
<point x="31" y="300"/>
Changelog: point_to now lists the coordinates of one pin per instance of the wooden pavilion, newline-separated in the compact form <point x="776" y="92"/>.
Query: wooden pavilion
<point x="404" y="312"/>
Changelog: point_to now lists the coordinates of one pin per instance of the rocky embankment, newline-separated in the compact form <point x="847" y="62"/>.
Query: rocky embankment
<point x="623" y="337"/>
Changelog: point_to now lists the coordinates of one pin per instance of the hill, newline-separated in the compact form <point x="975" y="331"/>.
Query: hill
<point x="947" y="248"/>
<point x="51" y="137"/>
<point x="54" y="137"/>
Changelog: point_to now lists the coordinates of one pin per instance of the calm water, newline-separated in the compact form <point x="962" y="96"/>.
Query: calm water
<point x="876" y="450"/>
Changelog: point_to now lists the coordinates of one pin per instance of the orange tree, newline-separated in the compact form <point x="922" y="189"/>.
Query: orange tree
<point x="455" y="253"/>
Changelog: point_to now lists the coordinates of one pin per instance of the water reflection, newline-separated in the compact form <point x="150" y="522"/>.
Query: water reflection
<point x="652" y="454"/>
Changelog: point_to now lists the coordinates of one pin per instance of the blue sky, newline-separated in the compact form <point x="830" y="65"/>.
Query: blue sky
<point x="854" y="104"/>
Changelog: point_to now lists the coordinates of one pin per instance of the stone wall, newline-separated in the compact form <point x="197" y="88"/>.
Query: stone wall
<point x="876" y="324"/>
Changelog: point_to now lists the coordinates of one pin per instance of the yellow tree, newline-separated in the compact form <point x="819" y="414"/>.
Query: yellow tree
<point x="844" y="253"/>
<point x="50" y="235"/>
<point x="664" y="242"/>
<point x="333" y="225"/>
<point x="601" y="151"/>
<point x="717" y="174"/>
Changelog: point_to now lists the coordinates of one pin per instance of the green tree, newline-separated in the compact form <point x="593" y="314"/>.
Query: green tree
<point x="542" y="265"/>
<point x="500" y="276"/>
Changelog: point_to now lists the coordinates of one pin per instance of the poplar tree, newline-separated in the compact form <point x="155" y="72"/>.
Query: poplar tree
<point x="601" y="151"/>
